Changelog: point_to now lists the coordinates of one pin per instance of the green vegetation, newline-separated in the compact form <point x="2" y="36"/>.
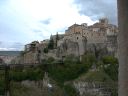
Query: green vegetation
<point x="45" y="50"/>
<point x="50" y="60"/>
<point x="70" y="91"/>
<point x="51" y="43"/>
<point x="96" y="76"/>
<point x="19" y="90"/>
<point x="71" y="59"/>
<point x="71" y="69"/>
<point x="88" y="59"/>
<point x="2" y="82"/>
<point x="57" y="38"/>
<point x="111" y="67"/>
<point x="2" y="86"/>
<point x="109" y="60"/>
<point x="26" y="74"/>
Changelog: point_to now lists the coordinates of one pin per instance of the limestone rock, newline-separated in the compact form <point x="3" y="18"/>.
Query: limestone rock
<point x="69" y="46"/>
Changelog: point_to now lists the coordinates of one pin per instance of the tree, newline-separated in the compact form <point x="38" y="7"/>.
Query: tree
<point x="111" y="66"/>
<point x="70" y="90"/>
<point x="45" y="50"/>
<point x="109" y="60"/>
<point x="71" y="59"/>
<point x="51" y="43"/>
<point x="57" y="38"/>
<point x="88" y="59"/>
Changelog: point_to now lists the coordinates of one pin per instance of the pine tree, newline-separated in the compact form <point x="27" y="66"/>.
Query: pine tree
<point x="57" y="38"/>
<point x="51" y="43"/>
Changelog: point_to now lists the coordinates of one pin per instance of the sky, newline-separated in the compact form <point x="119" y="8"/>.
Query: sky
<point x="24" y="21"/>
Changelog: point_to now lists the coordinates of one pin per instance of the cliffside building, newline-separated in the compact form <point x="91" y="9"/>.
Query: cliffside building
<point x="77" y="40"/>
<point x="101" y="33"/>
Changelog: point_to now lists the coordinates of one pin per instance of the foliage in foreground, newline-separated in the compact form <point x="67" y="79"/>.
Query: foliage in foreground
<point x="2" y="85"/>
<point x="26" y="74"/>
<point x="71" y="69"/>
<point x="111" y="67"/>
<point x="70" y="91"/>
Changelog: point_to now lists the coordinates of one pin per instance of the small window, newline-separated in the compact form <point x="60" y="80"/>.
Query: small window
<point x="77" y="38"/>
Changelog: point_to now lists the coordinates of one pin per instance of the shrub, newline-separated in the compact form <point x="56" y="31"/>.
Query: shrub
<point x="88" y="59"/>
<point x="45" y="50"/>
<point x="71" y="59"/>
<point x="70" y="91"/>
<point x="111" y="66"/>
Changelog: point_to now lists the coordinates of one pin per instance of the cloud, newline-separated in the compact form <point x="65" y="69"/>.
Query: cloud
<point x="47" y="21"/>
<point x="5" y="46"/>
<point x="17" y="45"/>
<point x="37" y="30"/>
<point x="98" y="8"/>
<point x="28" y="20"/>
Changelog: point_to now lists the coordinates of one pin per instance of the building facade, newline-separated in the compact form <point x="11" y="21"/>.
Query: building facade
<point x="99" y="33"/>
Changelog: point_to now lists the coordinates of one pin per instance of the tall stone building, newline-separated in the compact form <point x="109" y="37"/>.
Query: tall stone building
<point x="101" y="33"/>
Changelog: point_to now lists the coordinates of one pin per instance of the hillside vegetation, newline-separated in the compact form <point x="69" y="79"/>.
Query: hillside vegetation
<point x="70" y="70"/>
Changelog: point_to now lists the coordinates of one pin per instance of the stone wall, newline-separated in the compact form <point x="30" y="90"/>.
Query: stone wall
<point x="94" y="88"/>
<point x="26" y="58"/>
<point x="74" y="44"/>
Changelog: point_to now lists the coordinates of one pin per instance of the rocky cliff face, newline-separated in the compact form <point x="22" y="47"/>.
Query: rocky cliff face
<point x="94" y="88"/>
<point x="69" y="46"/>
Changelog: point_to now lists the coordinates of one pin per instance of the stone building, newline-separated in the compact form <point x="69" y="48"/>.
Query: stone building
<point x="101" y="33"/>
<point x="32" y="46"/>
<point x="31" y="54"/>
<point x="76" y="41"/>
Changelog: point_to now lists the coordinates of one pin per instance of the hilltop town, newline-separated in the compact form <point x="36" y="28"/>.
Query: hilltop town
<point x="81" y="62"/>
<point x="77" y="40"/>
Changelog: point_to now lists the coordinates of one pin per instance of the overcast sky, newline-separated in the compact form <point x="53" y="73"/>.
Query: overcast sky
<point x="23" y="21"/>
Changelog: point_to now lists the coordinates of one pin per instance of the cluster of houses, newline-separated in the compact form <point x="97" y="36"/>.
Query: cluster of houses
<point x="76" y="40"/>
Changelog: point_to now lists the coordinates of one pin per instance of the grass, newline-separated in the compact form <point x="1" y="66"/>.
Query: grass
<point x="95" y="76"/>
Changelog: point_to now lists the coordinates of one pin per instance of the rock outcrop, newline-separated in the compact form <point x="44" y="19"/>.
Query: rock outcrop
<point x="70" y="46"/>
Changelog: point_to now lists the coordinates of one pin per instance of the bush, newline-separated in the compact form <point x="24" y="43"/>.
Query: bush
<point x="111" y="66"/>
<point x="28" y="74"/>
<point x="71" y="59"/>
<point x="50" y="60"/>
<point x="70" y="91"/>
<point x="2" y="86"/>
<point x="67" y="72"/>
<point x="45" y="50"/>
<point x="88" y="59"/>
<point x="51" y="43"/>
<point x="109" y="60"/>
